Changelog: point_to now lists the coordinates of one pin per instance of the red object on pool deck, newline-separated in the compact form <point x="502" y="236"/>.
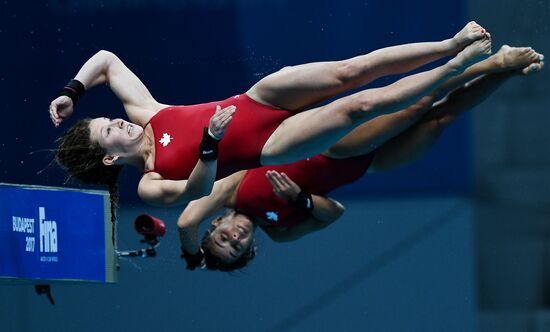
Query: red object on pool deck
<point x="148" y="225"/>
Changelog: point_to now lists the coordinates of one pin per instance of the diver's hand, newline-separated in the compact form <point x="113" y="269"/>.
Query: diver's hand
<point x="220" y="120"/>
<point x="60" y="109"/>
<point x="193" y="260"/>
<point x="283" y="186"/>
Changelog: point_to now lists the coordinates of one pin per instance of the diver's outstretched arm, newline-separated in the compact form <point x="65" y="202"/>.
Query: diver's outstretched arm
<point x="199" y="210"/>
<point x="106" y="67"/>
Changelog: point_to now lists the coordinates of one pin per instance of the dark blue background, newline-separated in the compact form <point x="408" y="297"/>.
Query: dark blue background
<point x="195" y="51"/>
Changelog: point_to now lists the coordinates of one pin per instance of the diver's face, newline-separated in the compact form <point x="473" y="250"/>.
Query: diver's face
<point x="231" y="238"/>
<point x="116" y="136"/>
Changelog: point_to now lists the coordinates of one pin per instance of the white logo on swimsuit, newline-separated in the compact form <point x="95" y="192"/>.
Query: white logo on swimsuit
<point x="272" y="215"/>
<point x="237" y="96"/>
<point x="165" y="140"/>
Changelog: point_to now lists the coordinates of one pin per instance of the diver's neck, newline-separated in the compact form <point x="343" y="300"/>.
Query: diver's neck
<point x="146" y="152"/>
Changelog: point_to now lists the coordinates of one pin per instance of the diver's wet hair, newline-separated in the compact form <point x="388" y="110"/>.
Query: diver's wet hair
<point x="214" y="263"/>
<point x="83" y="159"/>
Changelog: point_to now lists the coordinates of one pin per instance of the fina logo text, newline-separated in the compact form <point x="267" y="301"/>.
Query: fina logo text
<point x="48" y="232"/>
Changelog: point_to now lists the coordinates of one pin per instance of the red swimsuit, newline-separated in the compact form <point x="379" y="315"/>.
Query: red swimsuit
<point x="178" y="133"/>
<point x="317" y="175"/>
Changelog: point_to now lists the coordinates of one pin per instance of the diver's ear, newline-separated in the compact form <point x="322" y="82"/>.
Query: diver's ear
<point x="109" y="160"/>
<point x="216" y="222"/>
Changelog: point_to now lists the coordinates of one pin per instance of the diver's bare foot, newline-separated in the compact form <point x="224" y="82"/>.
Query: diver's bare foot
<point x="516" y="58"/>
<point x="470" y="33"/>
<point x="473" y="53"/>
<point x="532" y="68"/>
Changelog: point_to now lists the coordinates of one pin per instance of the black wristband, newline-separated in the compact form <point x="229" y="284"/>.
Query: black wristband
<point x="193" y="260"/>
<point x="303" y="201"/>
<point x="208" y="149"/>
<point x="74" y="89"/>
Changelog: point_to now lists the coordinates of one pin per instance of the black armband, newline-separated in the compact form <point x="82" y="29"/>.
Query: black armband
<point x="74" y="89"/>
<point x="303" y="201"/>
<point x="208" y="149"/>
<point x="193" y="260"/>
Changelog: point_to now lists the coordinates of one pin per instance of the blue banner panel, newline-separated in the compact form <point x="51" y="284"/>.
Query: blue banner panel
<point x="52" y="233"/>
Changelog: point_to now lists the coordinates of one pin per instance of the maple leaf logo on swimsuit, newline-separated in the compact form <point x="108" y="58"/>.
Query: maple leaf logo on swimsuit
<point x="272" y="215"/>
<point x="165" y="140"/>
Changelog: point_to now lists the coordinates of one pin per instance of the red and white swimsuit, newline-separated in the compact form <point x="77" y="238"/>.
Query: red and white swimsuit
<point x="178" y="133"/>
<point x="317" y="175"/>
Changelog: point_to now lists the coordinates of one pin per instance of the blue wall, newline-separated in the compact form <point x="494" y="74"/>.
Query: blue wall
<point x="376" y="269"/>
<point x="194" y="51"/>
